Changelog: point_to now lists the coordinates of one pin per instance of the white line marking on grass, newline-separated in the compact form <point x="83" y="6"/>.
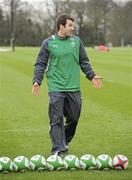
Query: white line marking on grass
<point x="5" y="49"/>
<point x="21" y="130"/>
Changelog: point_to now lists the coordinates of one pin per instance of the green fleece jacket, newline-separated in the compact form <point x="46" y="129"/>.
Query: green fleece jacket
<point x="61" y="59"/>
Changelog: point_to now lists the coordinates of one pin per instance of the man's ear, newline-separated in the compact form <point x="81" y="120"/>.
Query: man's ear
<point x="61" y="26"/>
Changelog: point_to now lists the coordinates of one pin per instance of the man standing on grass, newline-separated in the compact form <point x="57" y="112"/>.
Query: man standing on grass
<point x="61" y="56"/>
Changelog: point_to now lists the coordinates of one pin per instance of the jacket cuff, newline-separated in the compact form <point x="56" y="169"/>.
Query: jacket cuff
<point x="39" y="83"/>
<point x="91" y="76"/>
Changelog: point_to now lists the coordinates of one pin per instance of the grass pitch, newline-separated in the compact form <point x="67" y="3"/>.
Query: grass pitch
<point x="105" y="125"/>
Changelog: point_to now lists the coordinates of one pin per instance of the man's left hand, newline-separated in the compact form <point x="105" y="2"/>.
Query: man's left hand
<point x="96" y="81"/>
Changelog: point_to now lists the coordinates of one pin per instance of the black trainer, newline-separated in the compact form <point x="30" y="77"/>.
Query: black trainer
<point x="62" y="154"/>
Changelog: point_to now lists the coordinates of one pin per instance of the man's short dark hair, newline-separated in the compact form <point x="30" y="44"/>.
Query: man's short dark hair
<point x="62" y="20"/>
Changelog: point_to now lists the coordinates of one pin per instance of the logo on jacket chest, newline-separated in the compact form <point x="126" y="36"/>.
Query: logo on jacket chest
<point x="73" y="44"/>
<point x="55" y="46"/>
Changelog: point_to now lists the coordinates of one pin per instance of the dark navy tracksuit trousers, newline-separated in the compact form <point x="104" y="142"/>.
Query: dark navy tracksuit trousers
<point x="68" y="105"/>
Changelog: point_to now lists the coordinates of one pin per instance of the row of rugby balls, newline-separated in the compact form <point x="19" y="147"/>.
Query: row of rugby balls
<point x="70" y="162"/>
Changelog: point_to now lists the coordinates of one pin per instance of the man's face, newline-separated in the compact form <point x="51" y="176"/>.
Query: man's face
<point x="69" y="28"/>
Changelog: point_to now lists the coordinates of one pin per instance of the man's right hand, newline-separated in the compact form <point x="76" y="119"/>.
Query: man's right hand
<point x="35" y="89"/>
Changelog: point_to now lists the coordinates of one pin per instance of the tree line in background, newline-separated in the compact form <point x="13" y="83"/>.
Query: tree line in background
<point x="97" y="21"/>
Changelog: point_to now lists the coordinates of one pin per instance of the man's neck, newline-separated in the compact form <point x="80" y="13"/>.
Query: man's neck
<point x="59" y="33"/>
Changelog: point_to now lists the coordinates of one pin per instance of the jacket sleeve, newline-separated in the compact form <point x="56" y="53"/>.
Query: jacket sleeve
<point x="41" y="63"/>
<point x="84" y="63"/>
